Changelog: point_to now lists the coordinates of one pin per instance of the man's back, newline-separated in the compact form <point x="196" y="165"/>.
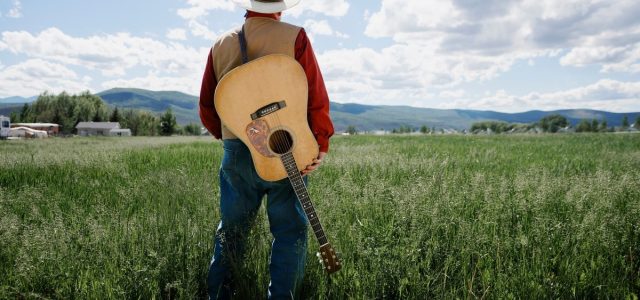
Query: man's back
<point x="264" y="36"/>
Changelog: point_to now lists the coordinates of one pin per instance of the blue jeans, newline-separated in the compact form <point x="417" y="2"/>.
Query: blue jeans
<point x="241" y="193"/>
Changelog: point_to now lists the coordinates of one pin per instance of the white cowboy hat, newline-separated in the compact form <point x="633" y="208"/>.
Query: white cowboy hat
<point x="267" y="6"/>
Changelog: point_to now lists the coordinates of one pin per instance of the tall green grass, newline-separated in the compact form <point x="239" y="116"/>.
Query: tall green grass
<point x="414" y="217"/>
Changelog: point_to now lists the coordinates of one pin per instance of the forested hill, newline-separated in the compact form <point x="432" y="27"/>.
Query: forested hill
<point x="184" y="106"/>
<point x="363" y="117"/>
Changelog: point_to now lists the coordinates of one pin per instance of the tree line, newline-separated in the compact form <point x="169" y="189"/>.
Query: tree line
<point x="552" y="124"/>
<point x="68" y="110"/>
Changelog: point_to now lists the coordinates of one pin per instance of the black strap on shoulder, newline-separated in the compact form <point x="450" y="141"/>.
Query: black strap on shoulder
<point x="243" y="46"/>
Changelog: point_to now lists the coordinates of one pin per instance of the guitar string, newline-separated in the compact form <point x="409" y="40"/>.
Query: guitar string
<point x="320" y="232"/>
<point x="285" y="143"/>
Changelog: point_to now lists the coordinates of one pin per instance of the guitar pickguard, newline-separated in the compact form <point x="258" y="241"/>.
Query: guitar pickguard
<point x="258" y="133"/>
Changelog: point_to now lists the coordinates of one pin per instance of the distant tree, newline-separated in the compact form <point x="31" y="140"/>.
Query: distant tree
<point x="405" y="129"/>
<point x="595" y="125"/>
<point x="26" y="114"/>
<point x="603" y="126"/>
<point x="168" y="124"/>
<point x="97" y="117"/>
<point x="15" y="118"/>
<point x="192" y="129"/>
<point x="424" y="129"/>
<point x="141" y="123"/>
<point x="552" y="123"/>
<point x="351" y="130"/>
<point x="636" y="125"/>
<point x="625" y="122"/>
<point x="584" y="126"/>
<point x="492" y="126"/>
<point x="115" y="115"/>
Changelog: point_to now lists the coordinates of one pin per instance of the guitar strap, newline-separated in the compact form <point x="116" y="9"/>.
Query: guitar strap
<point x="243" y="46"/>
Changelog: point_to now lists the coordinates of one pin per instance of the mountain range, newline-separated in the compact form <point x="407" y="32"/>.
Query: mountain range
<point x="363" y="117"/>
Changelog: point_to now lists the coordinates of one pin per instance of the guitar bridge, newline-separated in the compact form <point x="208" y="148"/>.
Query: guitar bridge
<point x="268" y="109"/>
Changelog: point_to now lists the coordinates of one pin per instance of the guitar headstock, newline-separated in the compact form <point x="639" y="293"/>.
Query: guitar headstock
<point x="329" y="259"/>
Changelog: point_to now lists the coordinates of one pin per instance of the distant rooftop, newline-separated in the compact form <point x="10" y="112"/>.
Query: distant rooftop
<point x="36" y="124"/>
<point x="98" y="125"/>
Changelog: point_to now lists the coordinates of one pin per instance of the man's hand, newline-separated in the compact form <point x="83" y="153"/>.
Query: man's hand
<point x="315" y="164"/>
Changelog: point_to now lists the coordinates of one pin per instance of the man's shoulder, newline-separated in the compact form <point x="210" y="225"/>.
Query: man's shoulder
<point x="291" y="26"/>
<point x="230" y="34"/>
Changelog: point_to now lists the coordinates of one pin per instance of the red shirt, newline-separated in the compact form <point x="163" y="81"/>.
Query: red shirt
<point x="318" y="101"/>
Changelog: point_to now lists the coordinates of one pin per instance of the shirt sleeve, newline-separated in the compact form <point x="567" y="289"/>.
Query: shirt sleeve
<point x="208" y="114"/>
<point x="318" y="102"/>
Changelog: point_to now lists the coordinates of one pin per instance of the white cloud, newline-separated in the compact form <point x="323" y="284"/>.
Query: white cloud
<point x="187" y="84"/>
<point x="177" y="34"/>
<point x="416" y="71"/>
<point x="202" y="30"/>
<point x="197" y="11"/>
<point x="201" y="8"/>
<point x="332" y="8"/>
<point x="438" y="45"/>
<point x="35" y="76"/>
<point x="111" y="54"/>
<point x="501" y="27"/>
<point x="321" y="27"/>
<point x="114" y="55"/>
<point x="16" y="10"/>
<point x="452" y="94"/>
<point x="606" y="94"/>
<point x="318" y="27"/>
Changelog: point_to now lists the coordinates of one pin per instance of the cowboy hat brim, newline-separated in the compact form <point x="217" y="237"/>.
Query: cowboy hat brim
<point x="267" y="7"/>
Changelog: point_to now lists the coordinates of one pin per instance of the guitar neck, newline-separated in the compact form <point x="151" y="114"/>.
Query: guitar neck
<point x="303" y="196"/>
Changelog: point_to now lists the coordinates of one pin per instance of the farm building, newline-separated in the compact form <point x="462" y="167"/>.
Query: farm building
<point x="50" y="128"/>
<point x="101" y="128"/>
<point x="26" y="132"/>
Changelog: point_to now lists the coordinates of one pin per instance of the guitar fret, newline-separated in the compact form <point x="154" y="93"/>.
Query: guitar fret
<point x="301" y="192"/>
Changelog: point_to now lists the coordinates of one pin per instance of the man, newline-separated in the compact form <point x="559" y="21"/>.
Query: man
<point x="241" y="189"/>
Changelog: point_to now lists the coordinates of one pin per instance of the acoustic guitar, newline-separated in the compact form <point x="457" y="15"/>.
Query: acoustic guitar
<point x="264" y="104"/>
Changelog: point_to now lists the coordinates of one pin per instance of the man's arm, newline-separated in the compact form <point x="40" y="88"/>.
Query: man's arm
<point x="318" y="105"/>
<point x="208" y="114"/>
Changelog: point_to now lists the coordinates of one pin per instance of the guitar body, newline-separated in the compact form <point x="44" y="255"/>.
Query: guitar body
<point x="264" y="104"/>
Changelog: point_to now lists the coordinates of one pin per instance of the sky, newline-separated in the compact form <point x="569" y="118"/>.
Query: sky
<point x="501" y="55"/>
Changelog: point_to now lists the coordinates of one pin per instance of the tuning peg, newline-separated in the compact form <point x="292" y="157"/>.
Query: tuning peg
<point x="317" y="254"/>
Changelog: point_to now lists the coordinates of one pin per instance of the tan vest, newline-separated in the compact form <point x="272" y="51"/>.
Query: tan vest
<point x="264" y="36"/>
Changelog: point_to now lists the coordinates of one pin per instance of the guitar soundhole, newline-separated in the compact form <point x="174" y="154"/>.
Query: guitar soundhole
<point x="280" y="141"/>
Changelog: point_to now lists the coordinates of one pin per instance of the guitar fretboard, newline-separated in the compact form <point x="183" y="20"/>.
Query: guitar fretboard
<point x="303" y="196"/>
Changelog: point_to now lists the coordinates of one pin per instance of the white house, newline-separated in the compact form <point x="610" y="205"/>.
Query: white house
<point x="101" y="128"/>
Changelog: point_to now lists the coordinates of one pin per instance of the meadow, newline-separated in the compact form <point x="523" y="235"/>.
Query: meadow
<point x="415" y="217"/>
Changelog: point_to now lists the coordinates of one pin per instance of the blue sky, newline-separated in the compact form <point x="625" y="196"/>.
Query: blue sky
<point x="503" y="55"/>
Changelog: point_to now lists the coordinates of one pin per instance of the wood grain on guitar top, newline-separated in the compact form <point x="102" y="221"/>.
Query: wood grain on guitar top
<point x="260" y="82"/>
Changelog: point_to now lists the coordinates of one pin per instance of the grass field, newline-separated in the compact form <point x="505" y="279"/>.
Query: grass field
<point x="414" y="217"/>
